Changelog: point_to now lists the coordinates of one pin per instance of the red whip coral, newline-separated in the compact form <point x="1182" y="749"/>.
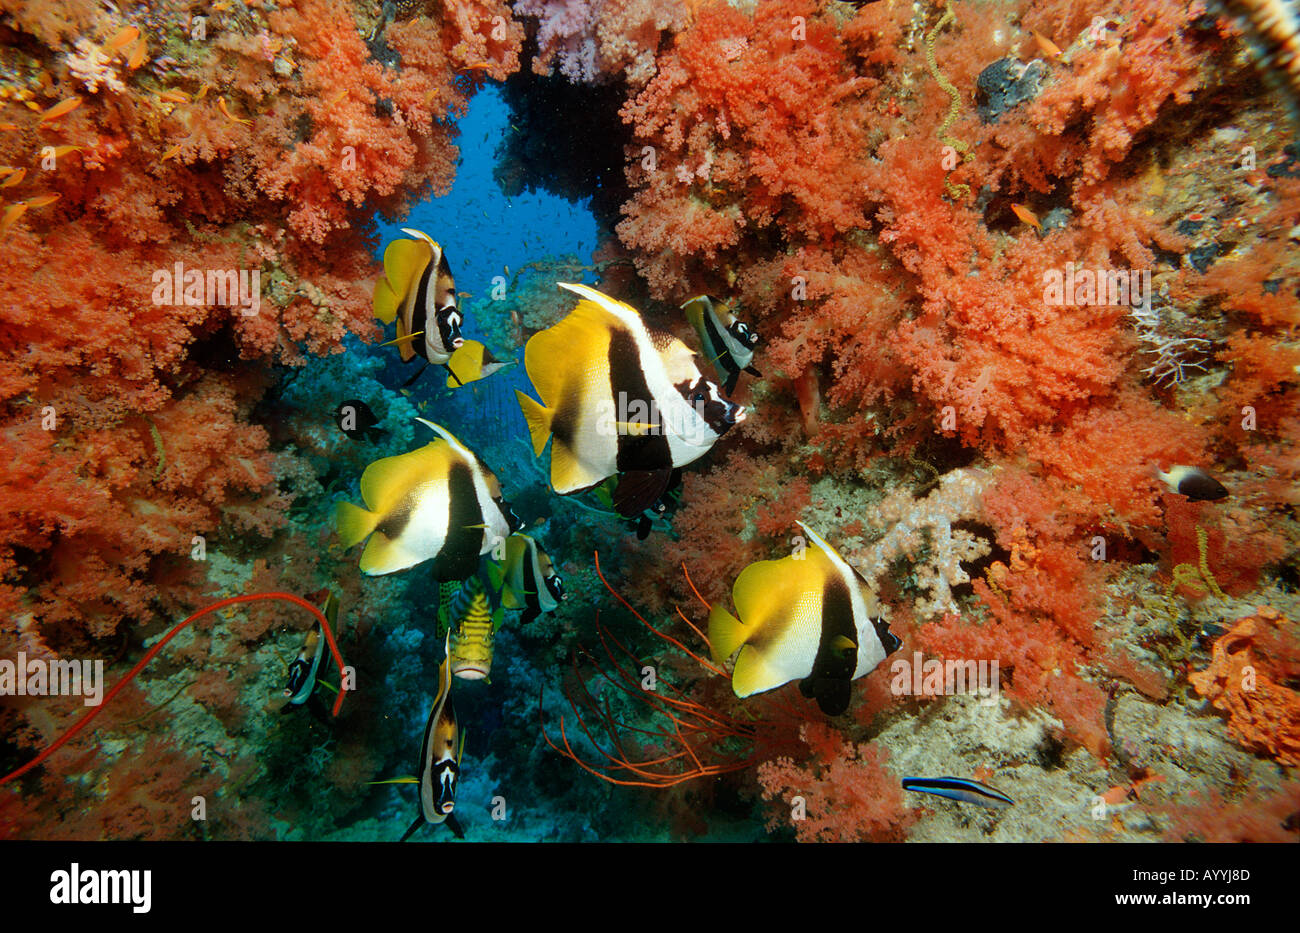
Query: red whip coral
<point x="1246" y="680"/>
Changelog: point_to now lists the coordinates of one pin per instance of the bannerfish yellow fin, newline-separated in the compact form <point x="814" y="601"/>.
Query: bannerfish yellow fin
<point x="384" y="484"/>
<point x="403" y="262"/>
<point x="405" y="338"/>
<point x="354" y="523"/>
<point x="400" y="780"/>
<point x="538" y="417"/>
<point x="635" y="428"/>
<point x="780" y="601"/>
<point x="726" y="633"/>
<point x="752" y="674"/>
<point x="386" y="481"/>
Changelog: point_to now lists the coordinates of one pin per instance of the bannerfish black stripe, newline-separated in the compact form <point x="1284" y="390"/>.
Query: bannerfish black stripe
<point x="717" y="345"/>
<point x="830" y="681"/>
<point x="458" y="559"/>
<point x="648" y="451"/>
<point x="419" y="311"/>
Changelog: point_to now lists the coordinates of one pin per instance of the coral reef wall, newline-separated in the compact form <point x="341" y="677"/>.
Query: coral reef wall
<point x="940" y="219"/>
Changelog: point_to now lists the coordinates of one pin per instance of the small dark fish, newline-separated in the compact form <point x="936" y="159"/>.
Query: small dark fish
<point x="960" y="789"/>
<point x="1193" y="482"/>
<point x="357" y="421"/>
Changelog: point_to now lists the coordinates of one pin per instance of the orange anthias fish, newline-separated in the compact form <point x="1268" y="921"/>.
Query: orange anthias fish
<point x="14" y="178"/>
<point x="138" y="52"/>
<point x="1027" y="216"/>
<point x="1046" y="45"/>
<point x="42" y="200"/>
<point x="62" y="108"/>
<point x="221" y="105"/>
<point x="121" y="39"/>
<point x="11" y="215"/>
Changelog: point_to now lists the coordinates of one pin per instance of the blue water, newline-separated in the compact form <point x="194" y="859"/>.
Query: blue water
<point x="482" y="230"/>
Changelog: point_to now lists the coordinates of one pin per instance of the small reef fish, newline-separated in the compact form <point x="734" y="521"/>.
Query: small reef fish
<point x="440" y="758"/>
<point x="810" y="616"/>
<point x="418" y="292"/>
<point x="618" y="398"/>
<point x="11" y="215"/>
<point x="357" y="421"/>
<point x="471" y="630"/>
<point x="62" y="108"/>
<point x="124" y="37"/>
<point x="471" y="362"/>
<point x="302" y="683"/>
<point x="1046" y="45"/>
<point x="1027" y="216"/>
<point x="530" y="581"/>
<point x="1192" y="482"/>
<point x="727" y="342"/>
<point x="15" y="177"/>
<point x="959" y="789"/>
<point x="438" y="502"/>
<point x="42" y="200"/>
<point x="137" y="56"/>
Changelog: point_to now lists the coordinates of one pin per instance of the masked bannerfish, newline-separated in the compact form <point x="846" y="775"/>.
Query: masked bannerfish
<point x="437" y="503"/>
<point x="419" y="293"/>
<point x="530" y="580"/>
<point x="471" y="632"/>
<point x="300" y="690"/>
<point x="440" y="757"/>
<point x="618" y="398"/>
<point x="727" y="342"/>
<point x="472" y="362"/>
<point x="806" y="616"/>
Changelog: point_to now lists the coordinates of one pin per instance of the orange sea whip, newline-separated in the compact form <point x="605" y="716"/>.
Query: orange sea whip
<point x="693" y="728"/>
<point x="175" y="630"/>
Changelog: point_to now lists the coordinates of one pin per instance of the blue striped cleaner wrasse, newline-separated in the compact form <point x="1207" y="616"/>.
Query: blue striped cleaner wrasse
<point x="729" y="343"/>
<point x="438" y="502"/>
<point x="440" y="757"/>
<point x="808" y="615"/>
<point x="618" y="398"/>
<point x="417" y="292"/>
<point x="963" y="789"/>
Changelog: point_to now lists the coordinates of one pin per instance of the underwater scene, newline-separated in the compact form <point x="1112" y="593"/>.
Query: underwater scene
<point x="650" y="420"/>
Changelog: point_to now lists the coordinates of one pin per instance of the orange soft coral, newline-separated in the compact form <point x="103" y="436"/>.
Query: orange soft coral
<point x="1245" y="680"/>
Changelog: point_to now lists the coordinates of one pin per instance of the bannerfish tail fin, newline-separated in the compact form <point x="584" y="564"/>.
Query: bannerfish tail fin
<point x="539" y="418"/>
<point x="354" y="523"/>
<point x="726" y="633"/>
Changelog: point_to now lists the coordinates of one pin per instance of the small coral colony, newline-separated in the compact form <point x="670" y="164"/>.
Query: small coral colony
<point x="934" y="412"/>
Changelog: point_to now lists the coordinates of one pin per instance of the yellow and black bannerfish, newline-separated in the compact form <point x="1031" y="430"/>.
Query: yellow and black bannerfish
<point x="441" y="753"/>
<point x="809" y="616"/>
<point x="618" y="398"/>
<point x="418" y="292"/>
<point x="729" y="343"/>
<point x="300" y="690"/>
<point x="530" y="580"/>
<point x="438" y="502"/>
<point x="472" y="362"/>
